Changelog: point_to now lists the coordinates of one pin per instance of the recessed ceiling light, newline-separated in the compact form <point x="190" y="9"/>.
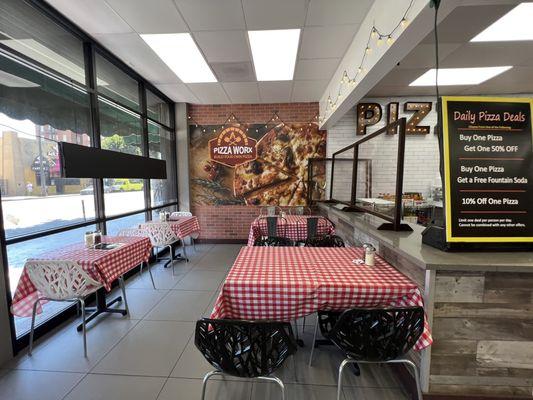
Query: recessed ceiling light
<point x="514" y="26"/>
<point x="459" y="76"/>
<point x="182" y="56"/>
<point x="274" y="53"/>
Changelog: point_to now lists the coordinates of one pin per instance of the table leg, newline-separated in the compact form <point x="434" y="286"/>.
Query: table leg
<point x="326" y="342"/>
<point x="102" y="307"/>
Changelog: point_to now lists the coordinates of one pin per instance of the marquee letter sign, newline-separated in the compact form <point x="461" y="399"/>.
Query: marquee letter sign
<point x="392" y="116"/>
<point x="368" y="114"/>
<point x="421" y="109"/>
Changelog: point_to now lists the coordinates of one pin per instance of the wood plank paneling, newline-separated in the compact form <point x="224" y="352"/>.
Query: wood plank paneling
<point x="506" y="354"/>
<point x="482" y="329"/>
<point x="461" y="289"/>
<point x="454" y="347"/>
<point x="484" y="310"/>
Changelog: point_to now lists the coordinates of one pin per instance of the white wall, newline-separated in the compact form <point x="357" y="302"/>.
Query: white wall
<point x="421" y="152"/>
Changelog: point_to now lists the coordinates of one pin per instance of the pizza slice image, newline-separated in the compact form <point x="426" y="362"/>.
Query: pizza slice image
<point x="254" y="175"/>
<point x="280" y="194"/>
<point x="276" y="148"/>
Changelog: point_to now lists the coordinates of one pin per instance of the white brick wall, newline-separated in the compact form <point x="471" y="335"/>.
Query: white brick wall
<point x="421" y="153"/>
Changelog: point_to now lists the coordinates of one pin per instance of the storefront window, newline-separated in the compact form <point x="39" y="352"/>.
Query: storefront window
<point x="115" y="84"/>
<point x="114" y="226"/>
<point x="160" y="144"/>
<point x="157" y="108"/>
<point x="37" y="112"/>
<point x="121" y="132"/>
<point x="18" y="253"/>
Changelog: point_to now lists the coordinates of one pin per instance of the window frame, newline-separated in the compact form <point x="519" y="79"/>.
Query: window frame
<point x="90" y="48"/>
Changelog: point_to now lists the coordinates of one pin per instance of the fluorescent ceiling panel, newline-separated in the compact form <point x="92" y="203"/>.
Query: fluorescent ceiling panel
<point x="274" y="53"/>
<point x="516" y="25"/>
<point x="180" y="53"/>
<point x="459" y="76"/>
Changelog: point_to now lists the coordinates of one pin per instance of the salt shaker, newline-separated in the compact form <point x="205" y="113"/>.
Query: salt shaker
<point x="89" y="239"/>
<point x="370" y="252"/>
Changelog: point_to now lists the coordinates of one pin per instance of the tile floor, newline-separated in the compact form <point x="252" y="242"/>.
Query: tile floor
<point x="151" y="355"/>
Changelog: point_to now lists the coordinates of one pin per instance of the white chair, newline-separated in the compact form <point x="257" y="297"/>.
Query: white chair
<point x="194" y="235"/>
<point x="136" y="232"/>
<point x="59" y="280"/>
<point x="161" y="236"/>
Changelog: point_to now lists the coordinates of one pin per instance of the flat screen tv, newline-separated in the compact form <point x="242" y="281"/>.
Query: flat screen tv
<point x="88" y="162"/>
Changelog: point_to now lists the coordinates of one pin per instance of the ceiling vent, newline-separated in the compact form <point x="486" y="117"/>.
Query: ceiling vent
<point x="234" y="71"/>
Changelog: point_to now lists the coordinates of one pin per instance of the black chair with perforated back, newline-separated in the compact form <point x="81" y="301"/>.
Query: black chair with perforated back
<point x="373" y="335"/>
<point x="245" y="349"/>
<point x="325" y="241"/>
<point x="272" y="232"/>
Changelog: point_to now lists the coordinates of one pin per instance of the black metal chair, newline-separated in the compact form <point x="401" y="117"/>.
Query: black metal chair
<point x="273" y="241"/>
<point x="373" y="335"/>
<point x="325" y="241"/>
<point x="272" y="232"/>
<point x="245" y="349"/>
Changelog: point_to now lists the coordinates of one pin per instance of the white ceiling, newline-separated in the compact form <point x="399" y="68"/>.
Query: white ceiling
<point x="456" y="51"/>
<point x="219" y="27"/>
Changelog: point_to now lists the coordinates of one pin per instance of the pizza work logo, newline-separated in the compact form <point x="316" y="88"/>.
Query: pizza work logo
<point x="232" y="147"/>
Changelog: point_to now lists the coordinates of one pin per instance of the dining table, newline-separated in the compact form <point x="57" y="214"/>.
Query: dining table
<point x="288" y="283"/>
<point x="182" y="226"/>
<point x="103" y="265"/>
<point x="293" y="227"/>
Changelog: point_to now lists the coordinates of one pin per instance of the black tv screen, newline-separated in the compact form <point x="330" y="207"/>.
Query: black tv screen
<point x="88" y="162"/>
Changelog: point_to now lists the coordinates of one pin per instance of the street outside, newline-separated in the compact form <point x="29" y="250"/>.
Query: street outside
<point x="24" y="215"/>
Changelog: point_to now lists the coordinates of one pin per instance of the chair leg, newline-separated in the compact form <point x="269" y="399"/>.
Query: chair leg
<point x="206" y="378"/>
<point x="341" y="369"/>
<point x="193" y="244"/>
<point x="141" y="271"/>
<point x="123" y="288"/>
<point x="171" y="258"/>
<point x="276" y="380"/>
<point x="33" y="324"/>
<point x="149" y="272"/>
<point x="314" y="341"/>
<point x="83" y="327"/>
<point x="415" y="372"/>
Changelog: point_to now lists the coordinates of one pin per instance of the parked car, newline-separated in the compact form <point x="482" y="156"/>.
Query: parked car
<point x="127" y="185"/>
<point x="90" y="190"/>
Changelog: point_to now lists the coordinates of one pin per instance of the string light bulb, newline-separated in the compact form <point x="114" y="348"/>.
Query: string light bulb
<point x="380" y="41"/>
<point x="404" y="22"/>
<point x="368" y="50"/>
<point x="390" y="40"/>
<point x="374" y="33"/>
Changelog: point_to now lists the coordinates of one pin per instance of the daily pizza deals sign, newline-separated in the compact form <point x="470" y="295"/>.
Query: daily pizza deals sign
<point x="488" y="162"/>
<point x="232" y="147"/>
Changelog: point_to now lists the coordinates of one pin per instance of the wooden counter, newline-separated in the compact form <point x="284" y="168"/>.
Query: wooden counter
<point x="480" y="307"/>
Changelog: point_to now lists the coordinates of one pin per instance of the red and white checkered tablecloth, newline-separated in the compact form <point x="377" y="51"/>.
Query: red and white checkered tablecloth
<point x="102" y="265"/>
<point x="295" y="227"/>
<point x="183" y="226"/>
<point x="287" y="283"/>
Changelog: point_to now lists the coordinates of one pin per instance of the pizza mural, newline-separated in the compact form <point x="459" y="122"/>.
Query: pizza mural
<point x="253" y="164"/>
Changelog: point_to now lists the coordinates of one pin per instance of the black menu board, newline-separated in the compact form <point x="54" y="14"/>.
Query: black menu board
<point x="488" y="150"/>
